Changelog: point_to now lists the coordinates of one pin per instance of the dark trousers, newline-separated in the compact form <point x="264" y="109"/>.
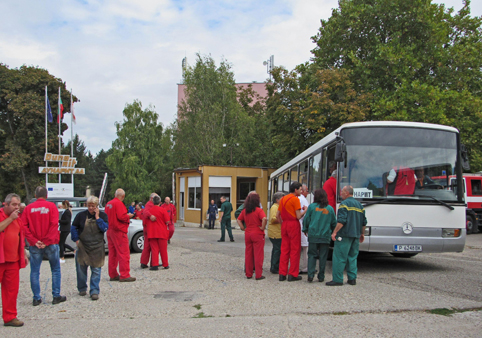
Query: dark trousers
<point x="226" y="225"/>
<point x="317" y="250"/>
<point x="212" y="221"/>
<point x="62" y="245"/>
<point x="275" y="254"/>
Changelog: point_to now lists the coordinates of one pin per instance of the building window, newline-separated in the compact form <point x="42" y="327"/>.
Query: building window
<point x="194" y="185"/>
<point x="219" y="186"/>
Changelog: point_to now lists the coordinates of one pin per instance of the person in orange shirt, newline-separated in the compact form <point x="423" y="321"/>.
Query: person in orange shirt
<point x="289" y="213"/>
<point x="158" y="234"/>
<point x="12" y="258"/>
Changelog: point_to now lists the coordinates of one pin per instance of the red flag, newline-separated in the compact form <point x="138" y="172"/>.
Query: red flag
<point x="61" y="110"/>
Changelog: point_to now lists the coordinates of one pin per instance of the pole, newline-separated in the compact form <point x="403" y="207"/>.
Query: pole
<point x="60" y="139"/>
<point x="46" y="133"/>
<point x="72" y="136"/>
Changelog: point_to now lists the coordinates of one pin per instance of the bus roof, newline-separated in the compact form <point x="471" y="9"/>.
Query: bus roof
<point x="329" y="138"/>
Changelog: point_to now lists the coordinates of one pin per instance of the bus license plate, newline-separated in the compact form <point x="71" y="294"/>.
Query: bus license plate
<point x="408" y="248"/>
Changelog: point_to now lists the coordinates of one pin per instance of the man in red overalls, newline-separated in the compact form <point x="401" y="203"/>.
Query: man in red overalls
<point x="158" y="234"/>
<point x="171" y="211"/>
<point x="12" y="258"/>
<point x="146" y="251"/>
<point x="289" y="213"/>
<point x="117" y="241"/>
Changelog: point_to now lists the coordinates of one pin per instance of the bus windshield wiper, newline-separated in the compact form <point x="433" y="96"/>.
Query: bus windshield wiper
<point x="440" y="202"/>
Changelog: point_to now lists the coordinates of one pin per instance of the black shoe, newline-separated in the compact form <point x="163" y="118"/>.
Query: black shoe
<point x="282" y="278"/>
<point x="352" y="282"/>
<point x="321" y="280"/>
<point x="154" y="268"/>
<point x="231" y="240"/>
<point x="166" y="267"/>
<point x="260" y="278"/>
<point x="310" y="279"/>
<point x="143" y="266"/>
<point x="59" y="299"/>
<point x="303" y="273"/>
<point x="294" y="279"/>
<point x="220" y="240"/>
<point x="249" y="277"/>
<point x="37" y="302"/>
<point x="274" y="272"/>
<point x="333" y="283"/>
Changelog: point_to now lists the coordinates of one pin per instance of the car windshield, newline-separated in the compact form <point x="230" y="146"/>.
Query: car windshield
<point x="386" y="162"/>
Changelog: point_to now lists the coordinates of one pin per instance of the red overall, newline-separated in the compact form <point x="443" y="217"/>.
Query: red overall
<point x="254" y="240"/>
<point x="117" y="241"/>
<point x="11" y="261"/>
<point x="146" y="251"/>
<point x="171" y="211"/>
<point x="158" y="235"/>
<point x="290" y="240"/>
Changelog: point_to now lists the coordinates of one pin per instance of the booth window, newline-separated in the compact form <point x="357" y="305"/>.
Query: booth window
<point x="219" y="186"/>
<point x="194" y="185"/>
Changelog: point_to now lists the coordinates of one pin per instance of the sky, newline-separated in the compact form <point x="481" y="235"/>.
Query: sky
<point x="112" y="52"/>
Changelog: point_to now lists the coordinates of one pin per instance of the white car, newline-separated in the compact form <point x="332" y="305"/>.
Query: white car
<point x="135" y="233"/>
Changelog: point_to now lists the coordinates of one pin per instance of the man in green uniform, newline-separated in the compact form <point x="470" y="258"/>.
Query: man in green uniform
<point x="225" y="217"/>
<point x="348" y="235"/>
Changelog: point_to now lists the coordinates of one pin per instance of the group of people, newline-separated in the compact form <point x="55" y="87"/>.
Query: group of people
<point x="37" y="232"/>
<point x="290" y="218"/>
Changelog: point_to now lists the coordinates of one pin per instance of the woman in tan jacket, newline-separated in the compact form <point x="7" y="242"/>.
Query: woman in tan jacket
<point x="274" y="233"/>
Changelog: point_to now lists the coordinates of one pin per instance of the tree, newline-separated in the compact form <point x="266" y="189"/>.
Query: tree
<point x="208" y="117"/>
<point x="22" y="126"/>
<point x="420" y="61"/>
<point x="138" y="158"/>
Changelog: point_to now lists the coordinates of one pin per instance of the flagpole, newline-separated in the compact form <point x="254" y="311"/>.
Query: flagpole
<point x="60" y="139"/>
<point x="46" y="133"/>
<point x="72" y="137"/>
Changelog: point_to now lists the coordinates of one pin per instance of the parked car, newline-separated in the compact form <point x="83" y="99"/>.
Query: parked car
<point x="135" y="232"/>
<point x="74" y="201"/>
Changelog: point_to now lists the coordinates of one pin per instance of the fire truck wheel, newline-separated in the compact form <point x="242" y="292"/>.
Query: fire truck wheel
<point x="470" y="225"/>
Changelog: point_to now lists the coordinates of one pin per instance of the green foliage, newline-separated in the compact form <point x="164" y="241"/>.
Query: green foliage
<point x="22" y="126"/>
<point x="140" y="158"/>
<point x="420" y="61"/>
<point x="219" y="124"/>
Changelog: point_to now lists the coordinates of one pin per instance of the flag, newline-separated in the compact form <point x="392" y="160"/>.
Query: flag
<point x="73" y="115"/>
<point x="49" y="111"/>
<point x="61" y="109"/>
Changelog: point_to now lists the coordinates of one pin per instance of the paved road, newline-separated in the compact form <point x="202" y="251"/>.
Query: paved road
<point x="392" y="297"/>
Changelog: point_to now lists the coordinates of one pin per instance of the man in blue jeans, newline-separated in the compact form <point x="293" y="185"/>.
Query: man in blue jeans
<point x="87" y="232"/>
<point x="41" y="220"/>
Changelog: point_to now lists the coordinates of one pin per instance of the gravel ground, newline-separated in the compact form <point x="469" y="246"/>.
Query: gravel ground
<point x="205" y="293"/>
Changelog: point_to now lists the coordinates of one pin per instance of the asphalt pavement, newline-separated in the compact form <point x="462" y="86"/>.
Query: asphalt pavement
<point x="205" y="294"/>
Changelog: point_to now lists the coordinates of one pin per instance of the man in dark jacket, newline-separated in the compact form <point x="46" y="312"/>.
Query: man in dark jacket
<point x="348" y="234"/>
<point x="212" y="212"/>
<point x="88" y="231"/>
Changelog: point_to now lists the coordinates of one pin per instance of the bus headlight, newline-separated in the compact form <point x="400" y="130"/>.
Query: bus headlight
<point x="367" y="231"/>
<point x="451" y="232"/>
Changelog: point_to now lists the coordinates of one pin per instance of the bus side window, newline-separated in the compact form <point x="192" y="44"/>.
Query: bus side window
<point x="316" y="166"/>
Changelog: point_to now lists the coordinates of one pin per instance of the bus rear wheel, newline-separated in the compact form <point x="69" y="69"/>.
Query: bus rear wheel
<point x="403" y="255"/>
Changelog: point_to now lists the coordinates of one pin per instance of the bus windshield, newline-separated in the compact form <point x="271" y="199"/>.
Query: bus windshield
<point x="386" y="162"/>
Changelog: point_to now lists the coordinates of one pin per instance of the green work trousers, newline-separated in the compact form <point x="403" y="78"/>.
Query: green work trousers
<point x="275" y="254"/>
<point x="345" y="254"/>
<point x="226" y="225"/>
<point x="317" y="250"/>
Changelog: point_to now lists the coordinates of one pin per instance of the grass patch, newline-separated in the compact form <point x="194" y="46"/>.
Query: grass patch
<point x="449" y="312"/>
<point x="197" y="306"/>
<point x="201" y="315"/>
<point x="340" y="313"/>
<point x="228" y="315"/>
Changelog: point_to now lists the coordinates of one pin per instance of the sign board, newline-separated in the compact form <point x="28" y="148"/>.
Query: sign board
<point x="362" y="193"/>
<point x="60" y="189"/>
<point x="66" y="165"/>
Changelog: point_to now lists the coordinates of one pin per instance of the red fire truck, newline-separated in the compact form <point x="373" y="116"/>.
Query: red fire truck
<point x="473" y="198"/>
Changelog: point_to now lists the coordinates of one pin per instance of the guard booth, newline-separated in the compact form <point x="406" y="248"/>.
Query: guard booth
<point x="194" y="188"/>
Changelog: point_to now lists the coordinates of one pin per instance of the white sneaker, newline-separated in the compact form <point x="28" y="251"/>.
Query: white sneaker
<point x="62" y="261"/>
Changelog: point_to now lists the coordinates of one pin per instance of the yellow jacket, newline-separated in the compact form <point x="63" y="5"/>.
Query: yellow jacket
<point x="274" y="228"/>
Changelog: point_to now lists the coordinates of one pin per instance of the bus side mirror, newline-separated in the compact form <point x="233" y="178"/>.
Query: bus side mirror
<point x="465" y="157"/>
<point x="340" y="150"/>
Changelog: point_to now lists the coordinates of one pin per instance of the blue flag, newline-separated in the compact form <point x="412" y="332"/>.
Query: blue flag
<point x="49" y="112"/>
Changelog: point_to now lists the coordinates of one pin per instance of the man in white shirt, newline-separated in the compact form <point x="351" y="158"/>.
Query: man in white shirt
<point x="304" y="240"/>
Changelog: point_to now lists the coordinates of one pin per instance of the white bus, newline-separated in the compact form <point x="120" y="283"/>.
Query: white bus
<point x="416" y="219"/>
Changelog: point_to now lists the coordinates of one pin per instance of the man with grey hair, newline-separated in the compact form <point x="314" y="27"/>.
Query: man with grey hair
<point x="146" y="214"/>
<point x="87" y="232"/>
<point x="12" y="258"/>
<point x="41" y="219"/>
<point x="117" y="241"/>
<point x="348" y="234"/>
